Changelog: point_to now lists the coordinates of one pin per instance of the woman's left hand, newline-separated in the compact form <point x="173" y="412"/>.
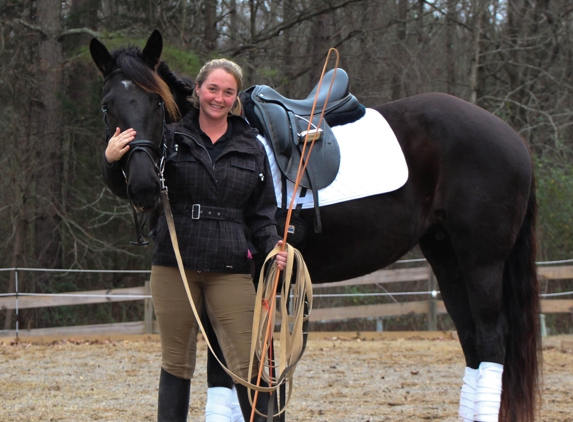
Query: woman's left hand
<point x="281" y="257"/>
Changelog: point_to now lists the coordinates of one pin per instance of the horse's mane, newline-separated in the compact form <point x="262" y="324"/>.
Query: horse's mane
<point x="131" y="63"/>
<point x="181" y="87"/>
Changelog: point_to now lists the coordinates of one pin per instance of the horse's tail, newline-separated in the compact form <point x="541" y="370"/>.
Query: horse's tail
<point x="521" y="374"/>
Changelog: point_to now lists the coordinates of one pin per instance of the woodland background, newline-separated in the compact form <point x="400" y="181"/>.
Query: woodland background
<point x="511" y="57"/>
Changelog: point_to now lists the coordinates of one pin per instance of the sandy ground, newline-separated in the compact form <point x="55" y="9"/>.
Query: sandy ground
<point x="342" y="378"/>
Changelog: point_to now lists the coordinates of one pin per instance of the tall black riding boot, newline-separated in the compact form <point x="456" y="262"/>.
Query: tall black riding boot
<point x="262" y="402"/>
<point x="173" y="398"/>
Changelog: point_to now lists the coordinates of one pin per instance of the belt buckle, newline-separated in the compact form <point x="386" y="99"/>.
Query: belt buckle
<point x="196" y="211"/>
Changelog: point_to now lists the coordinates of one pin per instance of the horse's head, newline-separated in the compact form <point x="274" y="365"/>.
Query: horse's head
<point x="134" y="96"/>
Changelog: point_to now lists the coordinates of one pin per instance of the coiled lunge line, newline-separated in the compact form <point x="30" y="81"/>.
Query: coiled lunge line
<point x="293" y="312"/>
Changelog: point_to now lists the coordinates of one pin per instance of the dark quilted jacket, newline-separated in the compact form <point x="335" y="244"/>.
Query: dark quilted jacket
<point x="238" y="185"/>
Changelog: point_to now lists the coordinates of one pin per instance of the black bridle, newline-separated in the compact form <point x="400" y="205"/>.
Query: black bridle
<point x="157" y="155"/>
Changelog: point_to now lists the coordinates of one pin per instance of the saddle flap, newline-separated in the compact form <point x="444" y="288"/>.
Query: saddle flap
<point x="273" y="118"/>
<point x="283" y="130"/>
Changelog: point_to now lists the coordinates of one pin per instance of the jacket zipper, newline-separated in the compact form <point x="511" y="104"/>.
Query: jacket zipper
<point x="199" y="144"/>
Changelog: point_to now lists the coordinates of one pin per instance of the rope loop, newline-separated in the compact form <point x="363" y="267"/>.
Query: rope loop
<point x="291" y="309"/>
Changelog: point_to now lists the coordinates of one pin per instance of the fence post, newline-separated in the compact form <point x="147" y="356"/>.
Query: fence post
<point x="543" y="326"/>
<point x="148" y="305"/>
<point x="16" y="289"/>
<point x="432" y="302"/>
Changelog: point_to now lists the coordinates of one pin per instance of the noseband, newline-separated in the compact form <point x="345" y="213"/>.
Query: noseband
<point x="155" y="153"/>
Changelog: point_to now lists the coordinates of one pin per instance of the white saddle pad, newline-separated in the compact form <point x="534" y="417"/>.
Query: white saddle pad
<point x="371" y="163"/>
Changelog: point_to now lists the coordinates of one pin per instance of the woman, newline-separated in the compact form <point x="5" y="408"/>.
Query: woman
<point x="222" y="196"/>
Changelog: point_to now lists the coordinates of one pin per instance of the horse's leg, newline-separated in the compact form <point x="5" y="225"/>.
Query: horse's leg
<point x="437" y="249"/>
<point x="484" y="284"/>
<point x="498" y="316"/>
<point x="222" y="404"/>
<point x="472" y="293"/>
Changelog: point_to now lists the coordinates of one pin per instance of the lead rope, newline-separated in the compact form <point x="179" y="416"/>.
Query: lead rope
<point x="275" y="274"/>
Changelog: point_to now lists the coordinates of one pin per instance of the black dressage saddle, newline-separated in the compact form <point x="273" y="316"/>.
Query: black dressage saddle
<point x="285" y="122"/>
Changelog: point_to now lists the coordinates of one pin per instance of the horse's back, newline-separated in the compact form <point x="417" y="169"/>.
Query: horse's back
<point x="454" y="123"/>
<point x="458" y="140"/>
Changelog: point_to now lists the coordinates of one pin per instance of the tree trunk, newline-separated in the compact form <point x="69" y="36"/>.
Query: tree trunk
<point x="16" y="260"/>
<point x="397" y="79"/>
<point x="289" y="60"/>
<point x="320" y="45"/>
<point x="47" y="140"/>
<point x="210" y="29"/>
<point x="450" y="55"/>
<point x="516" y="13"/>
<point x="183" y="22"/>
<point x="234" y="28"/>
<point x="475" y="62"/>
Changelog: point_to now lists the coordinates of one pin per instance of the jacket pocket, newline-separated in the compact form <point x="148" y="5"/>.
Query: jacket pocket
<point x="183" y="173"/>
<point x="241" y="179"/>
<point x="183" y="157"/>
<point x="245" y="163"/>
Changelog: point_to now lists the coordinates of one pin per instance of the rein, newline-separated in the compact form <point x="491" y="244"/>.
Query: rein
<point x="145" y="146"/>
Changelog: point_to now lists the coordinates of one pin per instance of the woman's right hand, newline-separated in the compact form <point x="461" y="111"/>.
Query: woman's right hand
<point x="118" y="145"/>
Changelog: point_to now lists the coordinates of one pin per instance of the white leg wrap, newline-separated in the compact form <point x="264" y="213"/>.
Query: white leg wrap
<point x="218" y="407"/>
<point x="468" y="395"/>
<point x="237" y="414"/>
<point x="488" y="392"/>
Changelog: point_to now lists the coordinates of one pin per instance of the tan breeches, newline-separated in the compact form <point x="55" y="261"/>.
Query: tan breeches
<point x="229" y="300"/>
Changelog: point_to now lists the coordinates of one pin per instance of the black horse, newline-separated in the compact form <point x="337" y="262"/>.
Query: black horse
<point x="469" y="203"/>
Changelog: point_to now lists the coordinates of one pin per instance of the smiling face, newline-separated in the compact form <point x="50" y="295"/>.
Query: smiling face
<point x="217" y="95"/>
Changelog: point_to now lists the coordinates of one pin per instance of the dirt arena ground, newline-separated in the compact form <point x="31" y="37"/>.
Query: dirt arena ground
<point x="342" y="377"/>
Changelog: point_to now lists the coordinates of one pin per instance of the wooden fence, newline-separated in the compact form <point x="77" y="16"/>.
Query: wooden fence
<point x="432" y="307"/>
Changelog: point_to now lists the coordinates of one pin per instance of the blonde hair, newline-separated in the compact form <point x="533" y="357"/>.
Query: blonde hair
<point x="228" y="66"/>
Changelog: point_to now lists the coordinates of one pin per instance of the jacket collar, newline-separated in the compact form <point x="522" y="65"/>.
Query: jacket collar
<point x="242" y="140"/>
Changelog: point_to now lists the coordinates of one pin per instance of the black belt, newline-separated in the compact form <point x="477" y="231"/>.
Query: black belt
<point x="205" y="212"/>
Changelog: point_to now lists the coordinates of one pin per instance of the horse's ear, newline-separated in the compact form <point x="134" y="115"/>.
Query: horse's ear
<point x="152" y="50"/>
<point x="101" y="56"/>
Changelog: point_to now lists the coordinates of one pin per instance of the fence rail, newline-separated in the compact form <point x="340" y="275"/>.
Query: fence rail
<point x="432" y="307"/>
